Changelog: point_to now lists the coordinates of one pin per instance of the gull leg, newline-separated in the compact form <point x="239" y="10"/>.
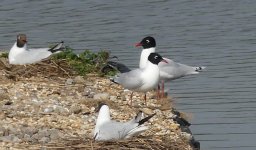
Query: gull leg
<point x="131" y="98"/>
<point x="145" y="98"/>
<point x="162" y="88"/>
<point x="158" y="92"/>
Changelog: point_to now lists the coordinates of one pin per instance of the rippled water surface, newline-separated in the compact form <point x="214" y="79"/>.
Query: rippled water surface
<point x="219" y="34"/>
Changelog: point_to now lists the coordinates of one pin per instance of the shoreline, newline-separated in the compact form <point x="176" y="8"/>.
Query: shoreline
<point x="58" y="111"/>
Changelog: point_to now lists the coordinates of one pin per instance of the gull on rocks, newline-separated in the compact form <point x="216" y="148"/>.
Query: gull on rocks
<point x="142" y="79"/>
<point x="20" y="55"/>
<point x="107" y="129"/>
<point x="168" y="71"/>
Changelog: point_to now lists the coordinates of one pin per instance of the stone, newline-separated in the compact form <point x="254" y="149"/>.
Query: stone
<point x="29" y="130"/>
<point x="27" y="138"/>
<point x="75" y="109"/>
<point x="10" y="138"/>
<point x="44" y="140"/>
<point x="35" y="136"/>
<point x="113" y="98"/>
<point x="79" y="79"/>
<point x="55" y="134"/>
<point x="69" y="81"/>
<point x="48" y="110"/>
<point x="101" y="96"/>
<point x="147" y="111"/>
<point x="43" y="133"/>
<point x="61" y="110"/>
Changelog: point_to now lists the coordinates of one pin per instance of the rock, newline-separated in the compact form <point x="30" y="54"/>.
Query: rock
<point x="113" y="98"/>
<point x="147" y="111"/>
<point x="43" y="133"/>
<point x="54" y="134"/>
<point x="44" y="140"/>
<point x="75" y="109"/>
<point x="48" y="110"/>
<point x="61" y="110"/>
<point x="101" y="96"/>
<point x="35" y="137"/>
<point x="79" y="79"/>
<point x="87" y="91"/>
<point x="13" y="130"/>
<point x="2" y="130"/>
<point x="187" y="135"/>
<point x="69" y="81"/>
<point x="10" y="138"/>
<point x="29" y="130"/>
<point x="27" y="138"/>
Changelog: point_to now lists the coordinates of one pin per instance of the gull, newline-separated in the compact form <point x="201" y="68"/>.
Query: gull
<point x="20" y="55"/>
<point x="107" y="129"/>
<point x="168" y="71"/>
<point x="142" y="79"/>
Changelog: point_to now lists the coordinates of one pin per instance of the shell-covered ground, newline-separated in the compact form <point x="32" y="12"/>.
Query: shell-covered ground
<point x="44" y="105"/>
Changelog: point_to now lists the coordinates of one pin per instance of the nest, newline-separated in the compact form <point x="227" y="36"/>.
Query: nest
<point x="139" y="143"/>
<point x="48" y="68"/>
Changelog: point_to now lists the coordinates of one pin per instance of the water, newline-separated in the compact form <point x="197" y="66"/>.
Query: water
<point x="219" y="34"/>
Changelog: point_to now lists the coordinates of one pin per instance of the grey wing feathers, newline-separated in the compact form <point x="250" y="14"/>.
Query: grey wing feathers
<point x="57" y="47"/>
<point x="129" y="80"/>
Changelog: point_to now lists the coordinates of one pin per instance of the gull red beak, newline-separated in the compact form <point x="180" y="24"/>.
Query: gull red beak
<point x="138" y="44"/>
<point x="165" y="61"/>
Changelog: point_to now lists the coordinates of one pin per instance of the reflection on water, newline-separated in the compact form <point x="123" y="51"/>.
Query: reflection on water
<point x="216" y="34"/>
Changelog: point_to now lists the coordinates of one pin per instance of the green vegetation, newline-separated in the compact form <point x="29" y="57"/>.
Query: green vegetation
<point x="3" y="54"/>
<point x="85" y="62"/>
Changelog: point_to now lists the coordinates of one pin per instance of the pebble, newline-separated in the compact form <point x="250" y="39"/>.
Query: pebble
<point x="44" y="140"/>
<point x="75" y="109"/>
<point x="70" y="111"/>
<point x="79" y="79"/>
<point x="69" y="81"/>
<point x="48" y="110"/>
<point x="27" y="138"/>
<point x="101" y="96"/>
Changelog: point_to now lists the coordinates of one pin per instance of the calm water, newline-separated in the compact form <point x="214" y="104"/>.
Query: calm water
<point x="219" y="34"/>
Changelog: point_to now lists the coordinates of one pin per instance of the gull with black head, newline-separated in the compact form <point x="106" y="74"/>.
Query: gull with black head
<point x="168" y="71"/>
<point x="20" y="55"/>
<point x="142" y="79"/>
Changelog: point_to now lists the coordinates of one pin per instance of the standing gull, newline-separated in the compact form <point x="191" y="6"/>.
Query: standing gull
<point x="168" y="71"/>
<point x="107" y="129"/>
<point x="21" y="55"/>
<point x="142" y="79"/>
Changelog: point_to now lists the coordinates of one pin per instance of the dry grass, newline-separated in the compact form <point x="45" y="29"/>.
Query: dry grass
<point x="48" y="68"/>
<point x="140" y="143"/>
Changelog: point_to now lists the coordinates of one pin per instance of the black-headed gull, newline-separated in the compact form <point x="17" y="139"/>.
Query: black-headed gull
<point x="20" y="55"/>
<point x="107" y="129"/>
<point x="142" y="79"/>
<point x="168" y="71"/>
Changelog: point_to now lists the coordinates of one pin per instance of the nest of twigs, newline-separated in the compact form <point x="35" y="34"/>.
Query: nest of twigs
<point x="48" y="68"/>
<point x="139" y="143"/>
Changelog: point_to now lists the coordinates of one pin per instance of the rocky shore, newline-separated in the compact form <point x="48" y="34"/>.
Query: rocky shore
<point x="58" y="112"/>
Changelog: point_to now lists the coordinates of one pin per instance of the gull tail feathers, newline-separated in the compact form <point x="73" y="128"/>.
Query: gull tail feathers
<point x="118" y="66"/>
<point x="57" y="47"/>
<point x="136" y="131"/>
<point x="142" y="121"/>
<point x="115" y="79"/>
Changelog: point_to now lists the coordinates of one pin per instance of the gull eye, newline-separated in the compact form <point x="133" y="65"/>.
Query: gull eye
<point x="156" y="57"/>
<point x="147" y="41"/>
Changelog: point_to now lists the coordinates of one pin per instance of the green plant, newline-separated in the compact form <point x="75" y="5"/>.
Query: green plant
<point x="4" y="54"/>
<point x="85" y="62"/>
